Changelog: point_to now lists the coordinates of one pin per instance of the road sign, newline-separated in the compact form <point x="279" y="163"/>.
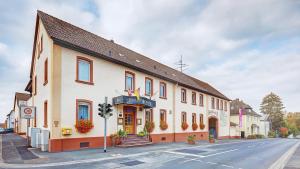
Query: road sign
<point x="27" y="112"/>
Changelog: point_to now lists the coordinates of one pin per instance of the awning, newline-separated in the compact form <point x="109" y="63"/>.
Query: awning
<point x="132" y="100"/>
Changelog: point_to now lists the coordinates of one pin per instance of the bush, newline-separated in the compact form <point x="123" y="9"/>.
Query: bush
<point x="191" y="138"/>
<point x="141" y="134"/>
<point x="271" y="134"/>
<point x="284" y="132"/>
<point x="259" y="136"/>
<point x="122" y="133"/>
<point x="251" y="137"/>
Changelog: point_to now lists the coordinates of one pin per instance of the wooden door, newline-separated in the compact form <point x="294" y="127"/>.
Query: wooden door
<point x="129" y="122"/>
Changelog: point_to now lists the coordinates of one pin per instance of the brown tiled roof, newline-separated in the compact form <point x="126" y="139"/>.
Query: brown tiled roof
<point x="70" y="36"/>
<point x="22" y="96"/>
<point x="237" y="104"/>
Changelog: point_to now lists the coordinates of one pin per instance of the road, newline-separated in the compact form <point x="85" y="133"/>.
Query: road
<point x="256" y="154"/>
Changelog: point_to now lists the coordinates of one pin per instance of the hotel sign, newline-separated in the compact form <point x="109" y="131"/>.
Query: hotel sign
<point x="212" y="113"/>
<point x="27" y="112"/>
<point x="132" y="100"/>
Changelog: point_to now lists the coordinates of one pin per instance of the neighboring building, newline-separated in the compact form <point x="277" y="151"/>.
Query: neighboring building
<point x="264" y="126"/>
<point x="10" y="119"/>
<point x="3" y="125"/>
<point x="20" y="125"/>
<point x="250" y="119"/>
<point x="72" y="70"/>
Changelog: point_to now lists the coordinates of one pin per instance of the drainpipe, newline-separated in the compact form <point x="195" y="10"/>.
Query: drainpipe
<point x="174" y="110"/>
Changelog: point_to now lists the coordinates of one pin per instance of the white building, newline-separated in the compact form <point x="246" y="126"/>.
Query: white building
<point x="20" y="125"/>
<point x="73" y="70"/>
<point x="264" y="126"/>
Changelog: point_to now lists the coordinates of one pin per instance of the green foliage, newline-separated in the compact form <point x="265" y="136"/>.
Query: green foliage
<point x="211" y="137"/>
<point x="272" y="105"/>
<point x="271" y="134"/>
<point x="142" y="134"/>
<point x="122" y="133"/>
<point x="251" y="137"/>
<point x="284" y="132"/>
<point x="191" y="138"/>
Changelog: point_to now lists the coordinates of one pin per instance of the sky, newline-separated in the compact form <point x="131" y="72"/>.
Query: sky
<point x="245" y="49"/>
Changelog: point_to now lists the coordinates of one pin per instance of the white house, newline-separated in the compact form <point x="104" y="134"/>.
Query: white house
<point x="73" y="70"/>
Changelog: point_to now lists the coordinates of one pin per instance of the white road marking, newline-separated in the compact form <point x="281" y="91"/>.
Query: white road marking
<point x="211" y="163"/>
<point x="193" y="159"/>
<point x="228" y="166"/>
<point x="223" y="152"/>
<point x="184" y="154"/>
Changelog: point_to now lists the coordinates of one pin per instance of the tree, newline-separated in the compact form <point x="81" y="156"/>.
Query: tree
<point x="272" y="105"/>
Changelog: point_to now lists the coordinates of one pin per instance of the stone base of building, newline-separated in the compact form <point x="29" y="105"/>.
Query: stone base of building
<point x="229" y="137"/>
<point x="69" y="144"/>
<point x="177" y="137"/>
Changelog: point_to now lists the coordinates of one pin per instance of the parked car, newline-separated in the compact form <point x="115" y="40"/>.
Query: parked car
<point x="4" y="131"/>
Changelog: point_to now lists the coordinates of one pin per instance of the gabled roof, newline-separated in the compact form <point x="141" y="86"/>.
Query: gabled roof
<point x="21" y="96"/>
<point x="237" y="104"/>
<point x="70" y="36"/>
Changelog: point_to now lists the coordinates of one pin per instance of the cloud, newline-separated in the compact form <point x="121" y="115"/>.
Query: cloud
<point x="245" y="49"/>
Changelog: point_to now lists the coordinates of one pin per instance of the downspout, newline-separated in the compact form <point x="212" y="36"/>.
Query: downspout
<point x="174" y="111"/>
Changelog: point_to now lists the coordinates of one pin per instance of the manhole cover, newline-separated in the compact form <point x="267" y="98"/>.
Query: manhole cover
<point x="132" y="163"/>
<point x="191" y="151"/>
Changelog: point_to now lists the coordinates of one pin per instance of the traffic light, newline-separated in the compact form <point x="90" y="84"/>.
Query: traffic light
<point x="101" y="108"/>
<point x="108" y="108"/>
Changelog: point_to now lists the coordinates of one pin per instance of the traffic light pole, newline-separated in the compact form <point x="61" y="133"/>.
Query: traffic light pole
<point x="105" y="124"/>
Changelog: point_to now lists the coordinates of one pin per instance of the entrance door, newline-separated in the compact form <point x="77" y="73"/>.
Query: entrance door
<point x="213" y="127"/>
<point x="129" y="122"/>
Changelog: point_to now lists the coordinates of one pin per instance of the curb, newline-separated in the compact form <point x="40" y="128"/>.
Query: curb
<point x="282" y="161"/>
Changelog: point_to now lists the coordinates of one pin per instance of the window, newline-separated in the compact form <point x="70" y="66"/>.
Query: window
<point x="149" y="115"/>
<point x="129" y="80"/>
<point x="84" y="110"/>
<point x="35" y="85"/>
<point x="201" y="119"/>
<point x="45" y="114"/>
<point x="213" y="103"/>
<point x="38" y="49"/>
<point x="84" y="70"/>
<point x="183" y="95"/>
<point x="148" y="86"/>
<point x="201" y="99"/>
<point x="183" y="117"/>
<point x="194" y="118"/>
<point x="221" y="106"/>
<point x="225" y="105"/>
<point x="194" y="98"/>
<point x="218" y="104"/>
<point x="163" y="90"/>
<point x="41" y="43"/>
<point x="46" y="72"/>
<point x="163" y="115"/>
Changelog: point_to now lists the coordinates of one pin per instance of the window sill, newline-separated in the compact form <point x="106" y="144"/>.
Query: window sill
<point x="201" y="105"/>
<point x="194" y="104"/>
<point x="163" y="98"/>
<point x="84" y="82"/>
<point x="183" y="102"/>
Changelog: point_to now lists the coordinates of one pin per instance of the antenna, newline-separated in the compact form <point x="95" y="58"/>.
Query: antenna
<point x="181" y="65"/>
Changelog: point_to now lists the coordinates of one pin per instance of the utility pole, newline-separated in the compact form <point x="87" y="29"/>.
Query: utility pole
<point x="104" y="106"/>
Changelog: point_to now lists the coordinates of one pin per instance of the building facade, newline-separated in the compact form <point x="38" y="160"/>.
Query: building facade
<point x="74" y="70"/>
<point x="248" y="122"/>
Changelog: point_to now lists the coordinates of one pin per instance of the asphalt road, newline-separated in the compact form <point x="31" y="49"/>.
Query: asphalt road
<point x="256" y="154"/>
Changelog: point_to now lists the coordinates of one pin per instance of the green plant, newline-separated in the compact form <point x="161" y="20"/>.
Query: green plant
<point x="259" y="136"/>
<point x="191" y="138"/>
<point x="149" y="126"/>
<point x="251" y="137"/>
<point x="122" y="133"/>
<point x="142" y="134"/>
<point x="84" y="126"/>
<point x="211" y="137"/>
<point x="271" y="134"/>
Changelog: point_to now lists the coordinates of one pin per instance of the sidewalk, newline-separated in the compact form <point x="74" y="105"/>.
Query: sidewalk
<point x="16" y="152"/>
<point x="294" y="162"/>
